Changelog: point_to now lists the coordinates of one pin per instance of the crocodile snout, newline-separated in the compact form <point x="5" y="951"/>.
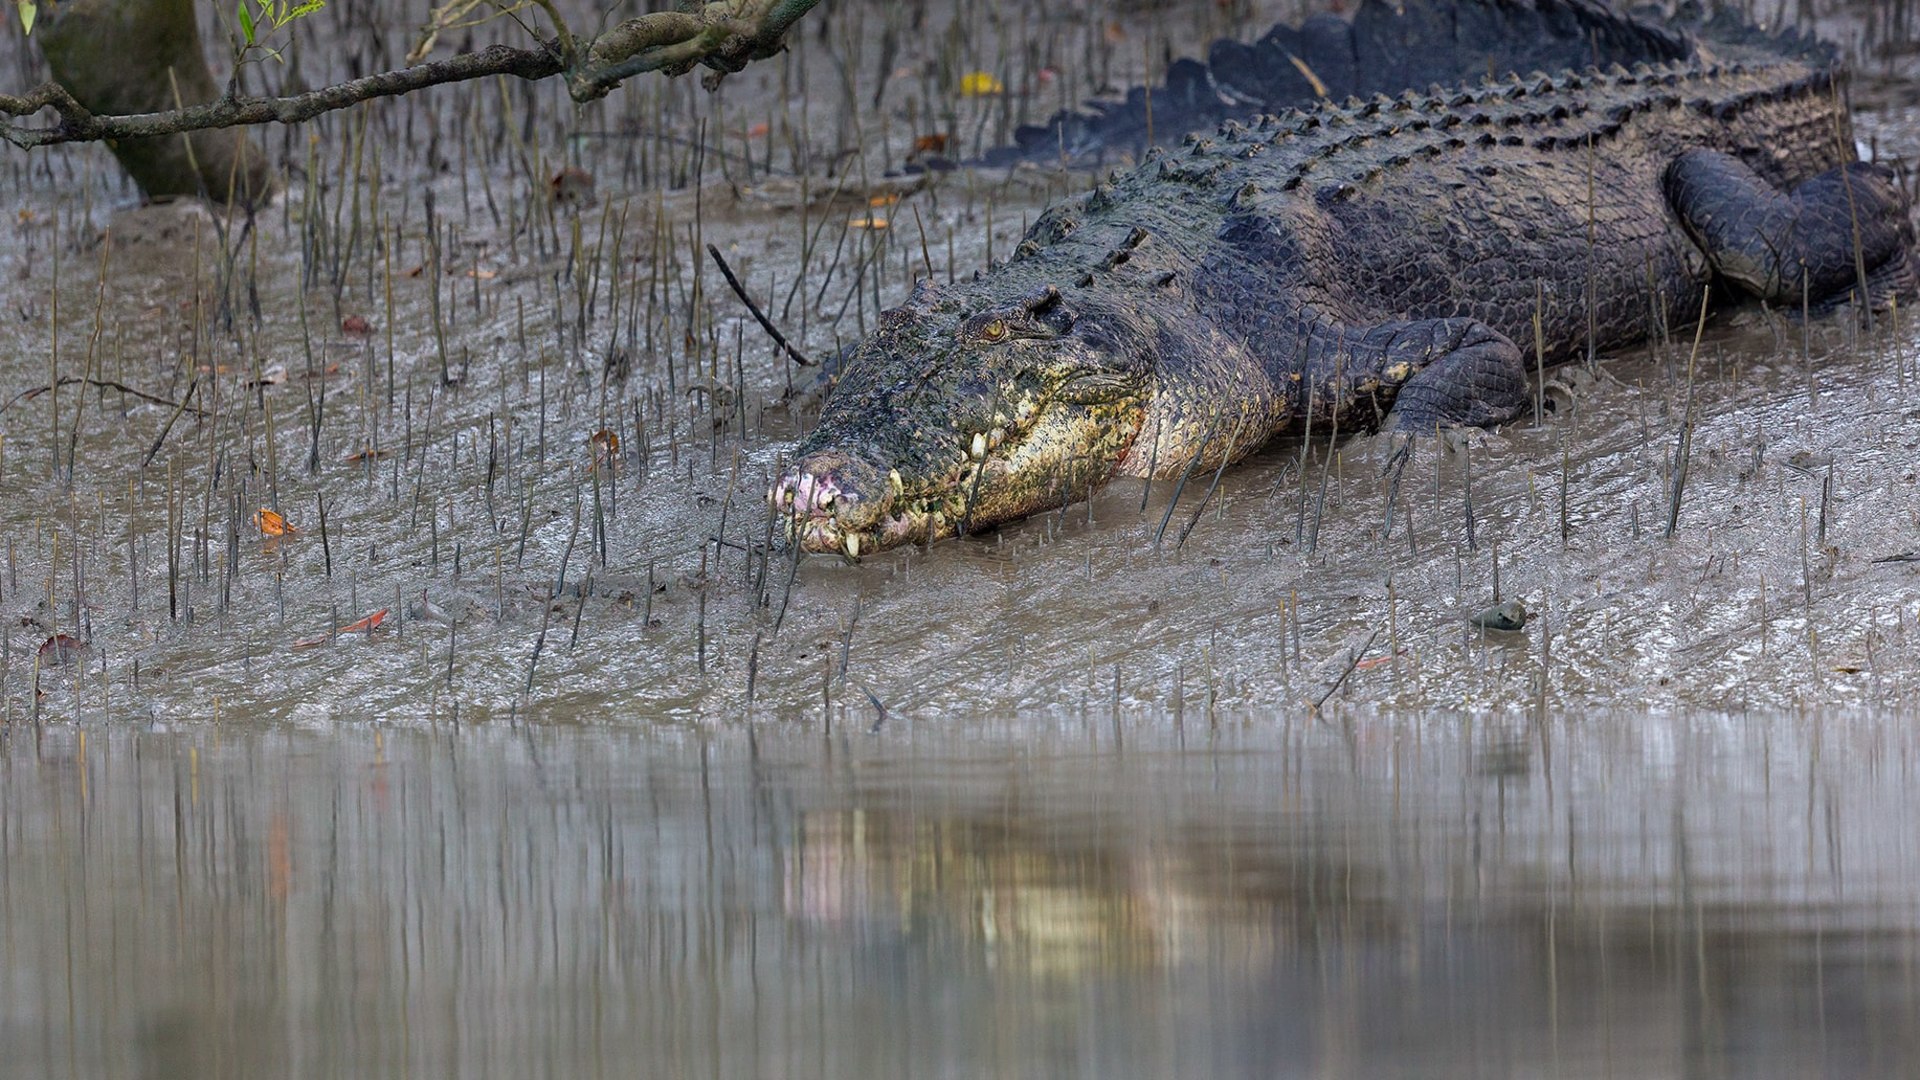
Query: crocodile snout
<point x="833" y="501"/>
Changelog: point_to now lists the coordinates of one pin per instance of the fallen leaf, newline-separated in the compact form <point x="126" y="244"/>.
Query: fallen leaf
<point x="270" y="523"/>
<point x="759" y="130"/>
<point x="882" y="200"/>
<point x="366" y="624"/>
<point x="606" y="446"/>
<point x="61" y="649"/>
<point x="357" y="325"/>
<point x="980" y="84"/>
<point x="929" y="144"/>
<point x="867" y="223"/>
<point x="369" y="454"/>
<point x="482" y="275"/>
<point x="416" y="271"/>
<point x="571" y="186"/>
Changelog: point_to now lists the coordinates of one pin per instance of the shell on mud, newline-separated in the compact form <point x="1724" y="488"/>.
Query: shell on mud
<point x="1507" y="616"/>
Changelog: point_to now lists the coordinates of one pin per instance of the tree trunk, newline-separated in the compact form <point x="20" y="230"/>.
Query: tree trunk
<point x="129" y="56"/>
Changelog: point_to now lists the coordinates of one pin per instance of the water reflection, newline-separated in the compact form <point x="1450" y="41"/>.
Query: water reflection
<point x="1622" y="897"/>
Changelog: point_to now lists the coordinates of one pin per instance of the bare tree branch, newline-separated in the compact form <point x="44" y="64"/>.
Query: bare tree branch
<point x="725" y="35"/>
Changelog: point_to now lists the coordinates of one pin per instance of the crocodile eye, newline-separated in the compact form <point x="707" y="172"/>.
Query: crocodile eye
<point x="994" y="331"/>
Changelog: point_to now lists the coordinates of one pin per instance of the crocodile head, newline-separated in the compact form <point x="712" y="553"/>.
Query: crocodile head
<point x="959" y="414"/>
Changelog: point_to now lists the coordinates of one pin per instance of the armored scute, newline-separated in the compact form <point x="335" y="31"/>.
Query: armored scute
<point x="1402" y="261"/>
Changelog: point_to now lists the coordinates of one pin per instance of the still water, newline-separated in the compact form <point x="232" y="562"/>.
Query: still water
<point x="1608" y="897"/>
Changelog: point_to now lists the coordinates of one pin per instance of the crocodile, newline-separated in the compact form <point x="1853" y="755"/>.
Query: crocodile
<point x="1401" y="263"/>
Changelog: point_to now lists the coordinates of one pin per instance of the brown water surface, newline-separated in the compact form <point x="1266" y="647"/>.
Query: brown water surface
<point x="1610" y="897"/>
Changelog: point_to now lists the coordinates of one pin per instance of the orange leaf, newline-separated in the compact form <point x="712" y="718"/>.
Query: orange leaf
<point x="366" y="624"/>
<point x="270" y="523"/>
<point x="929" y="144"/>
<point x="758" y="130"/>
<point x="61" y="649"/>
<point x="867" y="223"/>
<point x="357" y="325"/>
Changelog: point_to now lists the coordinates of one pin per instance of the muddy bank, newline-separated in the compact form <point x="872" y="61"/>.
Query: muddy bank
<point x="538" y="431"/>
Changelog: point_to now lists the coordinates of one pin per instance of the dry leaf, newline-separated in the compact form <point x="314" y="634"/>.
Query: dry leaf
<point x="270" y="523"/>
<point x="980" y="84"/>
<point x="1378" y="661"/>
<point x="571" y="186"/>
<point x="61" y="649"/>
<point x="604" y="446"/>
<point x="366" y="624"/>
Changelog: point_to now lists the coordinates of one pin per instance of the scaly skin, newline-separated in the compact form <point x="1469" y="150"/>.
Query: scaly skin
<point x="1386" y="47"/>
<point x="1350" y="261"/>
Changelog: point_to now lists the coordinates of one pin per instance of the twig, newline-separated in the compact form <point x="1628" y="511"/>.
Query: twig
<point x="168" y="426"/>
<point x="103" y="384"/>
<point x="766" y="324"/>
<point x="1353" y="661"/>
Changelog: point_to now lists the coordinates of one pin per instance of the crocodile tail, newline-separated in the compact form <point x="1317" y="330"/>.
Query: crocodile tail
<point x="1389" y="46"/>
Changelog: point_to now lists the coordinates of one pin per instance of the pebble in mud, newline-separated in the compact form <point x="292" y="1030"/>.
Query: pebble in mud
<point x="1508" y="615"/>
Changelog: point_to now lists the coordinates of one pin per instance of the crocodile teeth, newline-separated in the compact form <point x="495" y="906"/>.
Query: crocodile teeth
<point x="852" y="544"/>
<point x="979" y="445"/>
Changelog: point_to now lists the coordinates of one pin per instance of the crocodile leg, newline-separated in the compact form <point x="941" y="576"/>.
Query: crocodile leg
<point x="1811" y="245"/>
<point x="1435" y="372"/>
